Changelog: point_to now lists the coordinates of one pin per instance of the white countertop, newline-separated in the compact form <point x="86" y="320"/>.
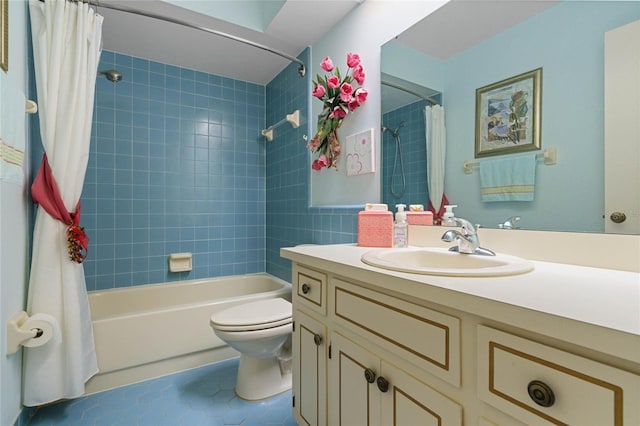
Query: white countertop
<point x="603" y="297"/>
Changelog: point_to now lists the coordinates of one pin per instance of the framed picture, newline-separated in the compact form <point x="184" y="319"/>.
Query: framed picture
<point x="4" y="35"/>
<point x="508" y="115"/>
<point x="360" y="153"/>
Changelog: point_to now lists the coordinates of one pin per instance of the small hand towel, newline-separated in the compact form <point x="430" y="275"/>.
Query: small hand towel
<point x="508" y="179"/>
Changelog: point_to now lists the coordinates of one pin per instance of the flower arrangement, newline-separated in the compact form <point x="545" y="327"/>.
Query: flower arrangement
<point x="339" y="97"/>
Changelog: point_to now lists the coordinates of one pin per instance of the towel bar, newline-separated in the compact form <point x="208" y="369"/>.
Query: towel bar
<point x="293" y="119"/>
<point x="549" y="157"/>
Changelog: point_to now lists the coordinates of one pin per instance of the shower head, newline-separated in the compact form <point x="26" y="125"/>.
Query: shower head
<point x="112" y="75"/>
<point x="394" y="133"/>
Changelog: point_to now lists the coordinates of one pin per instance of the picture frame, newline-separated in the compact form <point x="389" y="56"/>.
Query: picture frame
<point x="360" y="153"/>
<point x="4" y="35"/>
<point x="508" y="115"/>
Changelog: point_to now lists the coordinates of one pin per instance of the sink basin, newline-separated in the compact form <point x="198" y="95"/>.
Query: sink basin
<point x="439" y="261"/>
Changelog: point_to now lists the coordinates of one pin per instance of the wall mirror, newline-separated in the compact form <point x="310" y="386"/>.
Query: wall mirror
<point x="4" y="35"/>
<point x="466" y="45"/>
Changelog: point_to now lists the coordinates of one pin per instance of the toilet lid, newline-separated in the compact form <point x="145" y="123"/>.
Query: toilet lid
<point x="254" y="315"/>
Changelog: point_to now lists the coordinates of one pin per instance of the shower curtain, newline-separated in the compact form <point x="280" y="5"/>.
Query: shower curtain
<point x="436" y="151"/>
<point x="66" y="48"/>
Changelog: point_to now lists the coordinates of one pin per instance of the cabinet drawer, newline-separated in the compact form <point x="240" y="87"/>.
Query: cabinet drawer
<point x="310" y="288"/>
<point x="428" y="339"/>
<point x="542" y="385"/>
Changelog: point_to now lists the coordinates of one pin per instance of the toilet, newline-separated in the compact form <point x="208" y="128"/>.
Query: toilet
<point x="261" y="332"/>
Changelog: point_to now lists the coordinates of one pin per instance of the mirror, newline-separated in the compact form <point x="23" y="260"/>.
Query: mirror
<point x="466" y="45"/>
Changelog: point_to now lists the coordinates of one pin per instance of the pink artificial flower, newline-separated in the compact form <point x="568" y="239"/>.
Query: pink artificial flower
<point x="361" y="95"/>
<point x="353" y="59"/>
<point x="338" y="112"/>
<point x="319" y="91"/>
<point x="333" y="82"/>
<point x="345" y="92"/>
<point x="353" y="103"/>
<point x="327" y="64"/>
<point x="320" y="163"/>
<point x="358" y="74"/>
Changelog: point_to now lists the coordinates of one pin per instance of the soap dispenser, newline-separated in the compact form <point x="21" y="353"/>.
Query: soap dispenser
<point x="448" y="216"/>
<point x="400" y="227"/>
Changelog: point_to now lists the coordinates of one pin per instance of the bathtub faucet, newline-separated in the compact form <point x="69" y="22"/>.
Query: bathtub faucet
<point x="466" y="239"/>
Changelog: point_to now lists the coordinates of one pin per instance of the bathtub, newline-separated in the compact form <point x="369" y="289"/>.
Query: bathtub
<point x="151" y="330"/>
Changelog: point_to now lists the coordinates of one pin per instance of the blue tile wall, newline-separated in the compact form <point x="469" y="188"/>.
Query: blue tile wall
<point x="290" y="220"/>
<point x="413" y="152"/>
<point x="177" y="164"/>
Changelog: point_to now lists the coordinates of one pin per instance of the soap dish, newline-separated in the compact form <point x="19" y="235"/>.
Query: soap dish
<point x="180" y="262"/>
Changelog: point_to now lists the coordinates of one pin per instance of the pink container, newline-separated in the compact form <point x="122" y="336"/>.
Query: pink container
<point x="420" y="218"/>
<point x="375" y="229"/>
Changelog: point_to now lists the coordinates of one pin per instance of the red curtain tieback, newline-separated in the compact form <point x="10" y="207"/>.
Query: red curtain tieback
<point x="45" y="193"/>
<point x="437" y="215"/>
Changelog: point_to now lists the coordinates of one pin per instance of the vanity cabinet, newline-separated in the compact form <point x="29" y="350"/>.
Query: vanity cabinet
<point x="340" y="382"/>
<point x="372" y="353"/>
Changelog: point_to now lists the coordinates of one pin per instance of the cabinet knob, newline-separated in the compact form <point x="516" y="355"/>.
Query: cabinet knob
<point x="541" y="393"/>
<point x="317" y="339"/>
<point x="305" y="288"/>
<point x="383" y="384"/>
<point x="618" y="217"/>
<point x="369" y="375"/>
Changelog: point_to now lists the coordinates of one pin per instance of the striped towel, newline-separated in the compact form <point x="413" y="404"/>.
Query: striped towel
<point x="508" y="179"/>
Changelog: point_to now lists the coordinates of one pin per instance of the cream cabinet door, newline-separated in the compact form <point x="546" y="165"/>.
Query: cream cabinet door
<point x="354" y="398"/>
<point x="309" y="370"/>
<point x="408" y="401"/>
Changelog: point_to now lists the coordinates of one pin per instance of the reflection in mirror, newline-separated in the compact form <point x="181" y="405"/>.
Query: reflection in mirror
<point x="404" y="178"/>
<point x="566" y="39"/>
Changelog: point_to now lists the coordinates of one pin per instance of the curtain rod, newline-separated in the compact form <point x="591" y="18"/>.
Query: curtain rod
<point x="100" y="3"/>
<point x="404" y="89"/>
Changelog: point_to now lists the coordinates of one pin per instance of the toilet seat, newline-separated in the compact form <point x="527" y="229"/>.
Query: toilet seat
<point x="257" y="315"/>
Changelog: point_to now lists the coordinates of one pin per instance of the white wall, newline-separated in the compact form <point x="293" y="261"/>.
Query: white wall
<point x="14" y="229"/>
<point x="363" y="31"/>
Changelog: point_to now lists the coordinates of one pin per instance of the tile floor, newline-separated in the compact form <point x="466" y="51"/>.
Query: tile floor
<point x="202" y="396"/>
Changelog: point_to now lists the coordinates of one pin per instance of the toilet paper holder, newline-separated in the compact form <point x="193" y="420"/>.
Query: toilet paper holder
<point x="18" y="334"/>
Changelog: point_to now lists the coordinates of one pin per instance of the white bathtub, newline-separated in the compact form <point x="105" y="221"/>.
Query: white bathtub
<point x="156" y="329"/>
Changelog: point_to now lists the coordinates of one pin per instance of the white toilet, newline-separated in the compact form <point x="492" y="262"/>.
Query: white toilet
<point x="259" y="331"/>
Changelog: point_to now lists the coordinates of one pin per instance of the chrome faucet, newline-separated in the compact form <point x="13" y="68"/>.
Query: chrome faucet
<point x="466" y="239"/>
<point x="509" y="223"/>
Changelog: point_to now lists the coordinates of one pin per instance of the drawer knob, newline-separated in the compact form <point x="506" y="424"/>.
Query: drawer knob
<point x="305" y="288"/>
<point x="317" y="339"/>
<point x="383" y="384"/>
<point x="541" y="393"/>
<point x="369" y="375"/>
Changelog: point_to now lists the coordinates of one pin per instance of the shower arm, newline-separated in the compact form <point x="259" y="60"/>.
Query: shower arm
<point x="106" y="5"/>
